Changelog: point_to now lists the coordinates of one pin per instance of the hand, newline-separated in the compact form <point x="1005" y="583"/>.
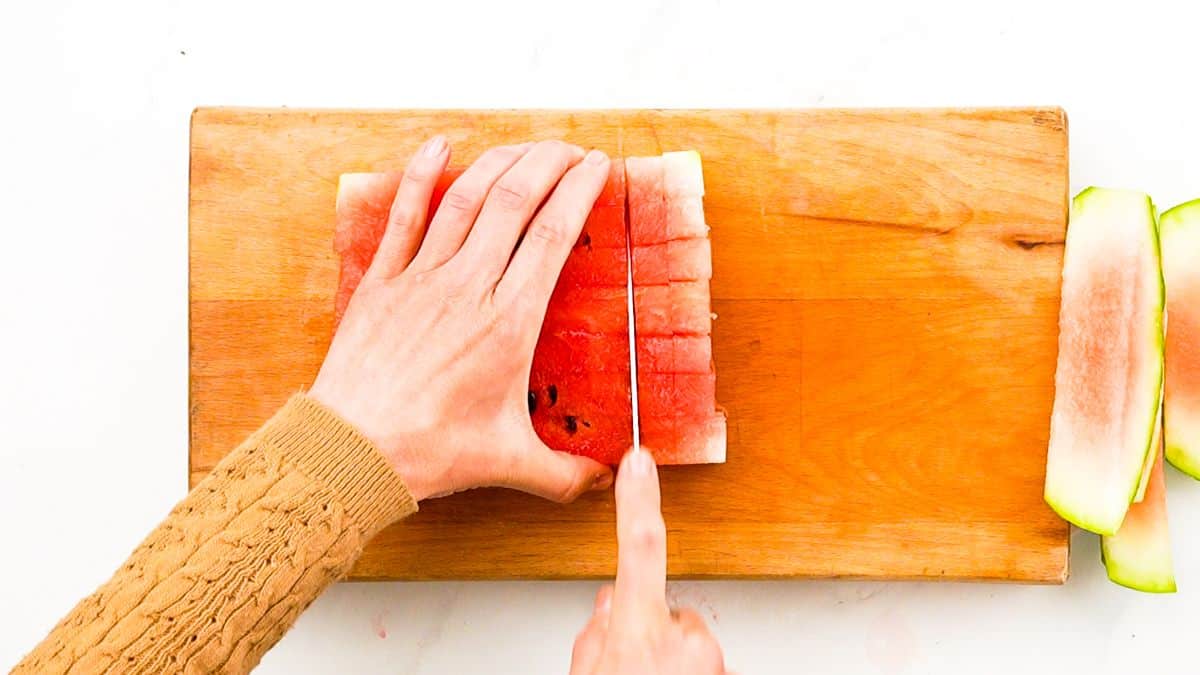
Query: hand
<point x="632" y="630"/>
<point x="431" y="361"/>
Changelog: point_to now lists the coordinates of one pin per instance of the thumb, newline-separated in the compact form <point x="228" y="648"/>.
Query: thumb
<point x="557" y="476"/>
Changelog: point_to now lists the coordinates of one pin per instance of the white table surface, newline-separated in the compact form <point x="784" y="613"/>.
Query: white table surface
<point x="93" y="351"/>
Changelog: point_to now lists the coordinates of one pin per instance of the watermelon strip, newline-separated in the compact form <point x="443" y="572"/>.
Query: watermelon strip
<point x="1139" y="554"/>
<point x="1180" y="228"/>
<point x="1110" y="359"/>
<point x="647" y="204"/>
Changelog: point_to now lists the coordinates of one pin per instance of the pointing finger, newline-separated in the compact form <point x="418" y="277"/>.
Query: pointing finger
<point x="639" y="599"/>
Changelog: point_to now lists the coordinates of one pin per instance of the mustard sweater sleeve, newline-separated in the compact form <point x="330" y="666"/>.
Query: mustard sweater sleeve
<point x="218" y="582"/>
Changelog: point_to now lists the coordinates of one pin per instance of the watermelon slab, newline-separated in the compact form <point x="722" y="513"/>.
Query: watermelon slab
<point x="1180" y="228"/>
<point x="1139" y="554"/>
<point x="1110" y="359"/>
<point x="579" y="387"/>
<point x="672" y="265"/>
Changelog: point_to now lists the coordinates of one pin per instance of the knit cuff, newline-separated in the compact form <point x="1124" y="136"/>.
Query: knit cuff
<point x="331" y="451"/>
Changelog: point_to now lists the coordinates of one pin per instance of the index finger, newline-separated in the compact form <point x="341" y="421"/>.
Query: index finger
<point x="639" y="599"/>
<point x="535" y="267"/>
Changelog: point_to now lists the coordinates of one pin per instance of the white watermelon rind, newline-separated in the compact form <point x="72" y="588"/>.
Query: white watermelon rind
<point x="1181" y="220"/>
<point x="1141" y="559"/>
<point x="1155" y="442"/>
<point x="1109" y="523"/>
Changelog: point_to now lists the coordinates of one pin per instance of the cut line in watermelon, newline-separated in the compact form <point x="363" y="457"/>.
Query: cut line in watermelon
<point x="579" y="398"/>
<point x="1180" y="228"/>
<point x="1110" y="359"/>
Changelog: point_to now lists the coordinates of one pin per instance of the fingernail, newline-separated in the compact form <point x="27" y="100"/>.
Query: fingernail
<point x="434" y="146"/>
<point x="602" y="481"/>
<point x="595" y="157"/>
<point x="642" y="463"/>
<point x="605" y="605"/>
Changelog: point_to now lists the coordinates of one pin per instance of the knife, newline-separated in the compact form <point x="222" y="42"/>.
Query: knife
<point x="633" y="369"/>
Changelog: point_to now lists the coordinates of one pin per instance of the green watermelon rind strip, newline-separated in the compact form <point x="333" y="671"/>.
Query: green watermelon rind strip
<point x="1108" y="524"/>
<point x="1139" y="555"/>
<point x="1181" y="220"/>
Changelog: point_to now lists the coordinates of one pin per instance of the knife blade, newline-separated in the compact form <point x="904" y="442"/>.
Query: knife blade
<point x="633" y="370"/>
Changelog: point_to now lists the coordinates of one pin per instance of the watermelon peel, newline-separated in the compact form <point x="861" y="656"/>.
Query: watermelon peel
<point x="1109" y="379"/>
<point x="1180" y="231"/>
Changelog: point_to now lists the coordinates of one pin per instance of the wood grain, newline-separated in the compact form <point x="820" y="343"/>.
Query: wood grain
<point x="887" y="289"/>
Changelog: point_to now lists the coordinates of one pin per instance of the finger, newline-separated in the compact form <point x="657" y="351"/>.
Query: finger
<point x="603" y="603"/>
<point x="557" y="476"/>
<point x="407" y="218"/>
<point x="639" y="599"/>
<point x="461" y="204"/>
<point x="702" y="653"/>
<point x="539" y="259"/>
<point x="589" y="645"/>
<point x="510" y="205"/>
<point x="689" y="621"/>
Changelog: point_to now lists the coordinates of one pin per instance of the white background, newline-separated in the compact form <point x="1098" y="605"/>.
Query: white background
<point x="93" y="346"/>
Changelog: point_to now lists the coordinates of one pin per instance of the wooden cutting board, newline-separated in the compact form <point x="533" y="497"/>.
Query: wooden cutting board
<point x="887" y="285"/>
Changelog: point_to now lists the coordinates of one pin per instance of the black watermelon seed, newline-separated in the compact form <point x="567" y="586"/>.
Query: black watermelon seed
<point x="586" y="423"/>
<point x="585" y="240"/>
<point x="552" y="392"/>
<point x="571" y="426"/>
<point x="532" y="398"/>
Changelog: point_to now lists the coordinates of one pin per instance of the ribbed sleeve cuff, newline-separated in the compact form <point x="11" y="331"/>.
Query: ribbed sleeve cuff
<point x="331" y="451"/>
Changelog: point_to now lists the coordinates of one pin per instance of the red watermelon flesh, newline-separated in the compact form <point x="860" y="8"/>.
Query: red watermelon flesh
<point x="687" y="395"/>
<point x="681" y="308"/>
<point x="670" y="309"/>
<point x="676" y="260"/>
<point x="579" y="385"/>
<point x="689" y="440"/>
<point x="581" y="351"/>
<point x="588" y="267"/>
<point x="653" y="264"/>
<point x="647" y="204"/>
<point x="585" y="413"/>
<point x="674" y="354"/>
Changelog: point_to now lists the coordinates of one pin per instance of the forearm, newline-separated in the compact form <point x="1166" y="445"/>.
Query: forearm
<point x="218" y="582"/>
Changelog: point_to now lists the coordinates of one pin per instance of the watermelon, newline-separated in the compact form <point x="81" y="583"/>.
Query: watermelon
<point x="1148" y="465"/>
<point x="670" y="309"/>
<point x="579" y="387"/>
<point x="1180" y="229"/>
<point x="1110" y="359"/>
<point x="647" y="201"/>
<point x="587" y="413"/>
<point x="676" y="260"/>
<point x="674" y="354"/>
<point x="672" y="265"/>
<point x="1139" y="554"/>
